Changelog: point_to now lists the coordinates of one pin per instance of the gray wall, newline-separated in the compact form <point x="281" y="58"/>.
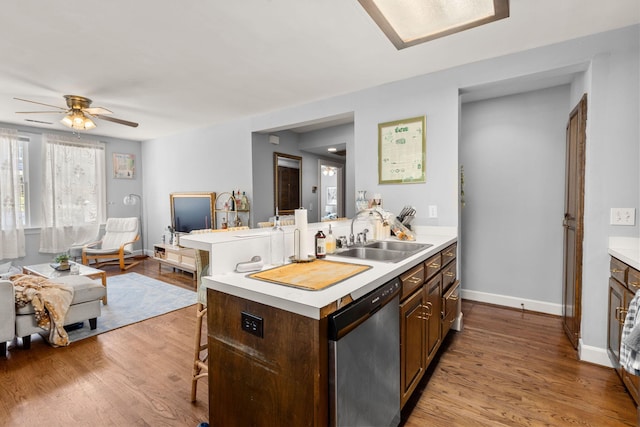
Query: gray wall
<point x="513" y="152"/>
<point x="219" y="157"/>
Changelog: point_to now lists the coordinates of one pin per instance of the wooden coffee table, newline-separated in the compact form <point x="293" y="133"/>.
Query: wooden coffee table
<point x="45" y="270"/>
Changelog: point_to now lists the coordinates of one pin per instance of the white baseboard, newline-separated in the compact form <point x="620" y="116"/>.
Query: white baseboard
<point x="513" y="302"/>
<point x="592" y="354"/>
<point x="586" y="353"/>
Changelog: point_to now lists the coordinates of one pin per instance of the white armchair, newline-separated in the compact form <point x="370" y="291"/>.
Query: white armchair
<point x="116" y="245"/>
<point x="7" y="315"/>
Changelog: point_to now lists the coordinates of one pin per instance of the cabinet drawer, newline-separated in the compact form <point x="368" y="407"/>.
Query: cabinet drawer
<point x="432" y="266"/>
<point x="412" y="280"/>
<point x="450" y="307"/>
<point x="449" y="254"/>
<point x="449" y="275"/>
<point x="633" y="280"/>
<point x="188" y="261"/>
<point x="172" y="256"/>
<point x="618" y="270"/>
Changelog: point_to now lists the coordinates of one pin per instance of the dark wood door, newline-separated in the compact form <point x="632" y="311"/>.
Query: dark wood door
<point x="433" y="290"/>
<point x="412" y="344"/>
<point x="573" y="223"/>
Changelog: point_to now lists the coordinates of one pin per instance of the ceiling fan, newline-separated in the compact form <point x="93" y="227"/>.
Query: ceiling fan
<point x="78" y="113"/>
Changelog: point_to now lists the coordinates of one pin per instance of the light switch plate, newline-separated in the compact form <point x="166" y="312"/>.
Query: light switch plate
<point x="623" y="216"/>
<point x="433" y="211"/>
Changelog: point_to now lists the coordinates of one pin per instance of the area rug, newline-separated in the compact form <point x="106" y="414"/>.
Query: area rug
<point x="132" y="298"/>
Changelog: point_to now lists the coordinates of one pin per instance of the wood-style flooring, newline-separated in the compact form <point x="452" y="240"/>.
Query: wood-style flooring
<point x="507" y="368"/>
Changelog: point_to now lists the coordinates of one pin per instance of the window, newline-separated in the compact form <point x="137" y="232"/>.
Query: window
<point x="73" y="192"/>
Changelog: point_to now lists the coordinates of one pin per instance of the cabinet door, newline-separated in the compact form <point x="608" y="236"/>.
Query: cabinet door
<point x="412" y="345"/>
<point x="433" y="291"/>
<point x="615" y="320"/>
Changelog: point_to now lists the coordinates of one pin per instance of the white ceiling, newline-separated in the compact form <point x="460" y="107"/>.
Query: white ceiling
<point x="173" y="66"/>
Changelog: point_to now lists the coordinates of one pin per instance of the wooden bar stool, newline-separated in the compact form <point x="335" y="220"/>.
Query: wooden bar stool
<point x="200" y="353"/>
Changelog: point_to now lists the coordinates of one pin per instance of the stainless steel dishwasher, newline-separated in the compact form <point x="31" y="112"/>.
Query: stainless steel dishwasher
<point x="364" y="360"/>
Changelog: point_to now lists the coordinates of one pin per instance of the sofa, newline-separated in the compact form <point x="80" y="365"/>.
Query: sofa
<point x="7" y="315"/>
<point x="21" y="322"/>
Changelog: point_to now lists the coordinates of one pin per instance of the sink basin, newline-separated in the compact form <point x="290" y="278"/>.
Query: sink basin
<point x="374" y="254"/>
<point x="384" y="251"/>
<point x="398" y="246"/>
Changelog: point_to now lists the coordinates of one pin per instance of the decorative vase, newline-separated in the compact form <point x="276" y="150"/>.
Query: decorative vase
<point x="361" y="200"/>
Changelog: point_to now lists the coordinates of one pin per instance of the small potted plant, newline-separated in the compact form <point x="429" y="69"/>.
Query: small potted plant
<point x="63" y="261"/>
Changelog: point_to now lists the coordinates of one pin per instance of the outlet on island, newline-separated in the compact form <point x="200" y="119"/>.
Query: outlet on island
<point x="252" y="324"/>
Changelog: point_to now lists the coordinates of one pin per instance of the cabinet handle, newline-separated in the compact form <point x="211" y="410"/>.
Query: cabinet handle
<point x="636" y="283"/>
<point x="453" y="298"/>
<point x="621" y="314"/>
<point x="615" y="270"/>
<point x="424" y="314"/>
<point x="434" y="265"/>
<point x="449" y="254"/>
<point x="414" y="280"/>
<point x="449" y="274"/>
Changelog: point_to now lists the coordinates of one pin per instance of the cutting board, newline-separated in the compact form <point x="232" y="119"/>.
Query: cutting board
<point x="314" y="276"/>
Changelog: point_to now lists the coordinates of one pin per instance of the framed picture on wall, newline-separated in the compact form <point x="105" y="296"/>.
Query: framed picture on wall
<point x="124" y="165"/>
<point x="402" y="154"/>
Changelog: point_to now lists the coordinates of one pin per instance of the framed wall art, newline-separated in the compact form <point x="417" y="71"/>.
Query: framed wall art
<point x="124" y="165"/>
<point x="402" y="148"/>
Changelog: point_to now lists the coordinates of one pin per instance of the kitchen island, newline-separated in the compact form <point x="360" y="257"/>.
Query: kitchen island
<point x="268" y="345"/>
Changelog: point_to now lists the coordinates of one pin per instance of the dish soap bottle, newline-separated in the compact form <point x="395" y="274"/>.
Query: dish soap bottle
<point x="276" y="242"/>
<point x="321" y="244"/>
<point x="330" y="242"/>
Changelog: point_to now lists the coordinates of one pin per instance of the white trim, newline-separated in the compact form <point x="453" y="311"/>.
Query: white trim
<point x="514" y="302"/>
<point x="597" y="355"/>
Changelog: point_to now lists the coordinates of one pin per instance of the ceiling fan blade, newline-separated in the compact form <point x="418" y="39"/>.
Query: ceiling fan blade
<point x="97" y="111"/>
<point x="40" y="112"/>
<point x="115" y="120"/>
<point x="40" y="103"/>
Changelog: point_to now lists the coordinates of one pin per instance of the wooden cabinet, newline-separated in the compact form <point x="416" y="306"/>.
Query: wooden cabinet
<point x="425" y="315"/>
<point x="412" y="343"/>
<point x="185" y="259"/>
<point x="623" y="284"/>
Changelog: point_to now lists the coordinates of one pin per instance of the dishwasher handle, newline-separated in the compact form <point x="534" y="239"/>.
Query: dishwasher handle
<point x="348" y="318"/>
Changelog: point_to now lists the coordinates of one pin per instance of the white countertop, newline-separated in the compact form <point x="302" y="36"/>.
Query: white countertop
<point x="626" y="249"/>
<point x="306" y="302"/>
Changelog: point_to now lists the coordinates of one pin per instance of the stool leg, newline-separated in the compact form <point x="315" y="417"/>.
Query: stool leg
<point x="199" y="365"/>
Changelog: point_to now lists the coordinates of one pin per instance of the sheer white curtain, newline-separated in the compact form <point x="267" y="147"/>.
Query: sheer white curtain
<point x="11" y="229"/>
<point x="73" y="192"/>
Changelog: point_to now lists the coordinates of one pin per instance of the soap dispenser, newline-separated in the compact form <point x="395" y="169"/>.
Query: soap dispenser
<point x="330" y="241"/>
<point x="276" y="242"/>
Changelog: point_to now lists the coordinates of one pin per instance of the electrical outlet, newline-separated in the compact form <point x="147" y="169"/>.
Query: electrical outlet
<point x="252" y="324"/>
<point x="623" y="216"/>
<point x="433" y="211"/>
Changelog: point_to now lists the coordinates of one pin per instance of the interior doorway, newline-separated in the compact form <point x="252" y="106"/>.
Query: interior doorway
<point x="331" y="190"/>
<point x="573" y="222"/>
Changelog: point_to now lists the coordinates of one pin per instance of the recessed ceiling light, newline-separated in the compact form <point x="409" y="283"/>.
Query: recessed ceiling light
<point x="332" y="149"/>
<point x="416" y="21"/>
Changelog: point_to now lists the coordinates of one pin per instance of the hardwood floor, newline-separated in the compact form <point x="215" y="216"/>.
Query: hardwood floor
<point x="507" y="368"/>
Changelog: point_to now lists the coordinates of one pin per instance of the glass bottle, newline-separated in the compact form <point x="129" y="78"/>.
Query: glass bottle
<point x="330" y="241"/>
<point x="321" y="244"/>
<point x="276" y="242"/>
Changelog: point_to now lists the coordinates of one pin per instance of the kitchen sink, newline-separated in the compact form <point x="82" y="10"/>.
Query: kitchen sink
<point x="398" y="246"/>
<point x="384" y="251"/>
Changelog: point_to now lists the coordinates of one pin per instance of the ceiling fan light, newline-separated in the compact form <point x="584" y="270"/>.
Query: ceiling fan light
<point x="77" y="120"/>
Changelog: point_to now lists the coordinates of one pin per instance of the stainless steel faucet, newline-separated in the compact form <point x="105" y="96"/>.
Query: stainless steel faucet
<point x="351" y="236"/>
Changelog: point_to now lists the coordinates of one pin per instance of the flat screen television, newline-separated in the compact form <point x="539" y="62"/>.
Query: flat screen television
<point x="192" y="211"/>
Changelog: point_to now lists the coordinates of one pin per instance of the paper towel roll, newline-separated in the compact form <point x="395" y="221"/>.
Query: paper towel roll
<point x="301" y="224"/>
